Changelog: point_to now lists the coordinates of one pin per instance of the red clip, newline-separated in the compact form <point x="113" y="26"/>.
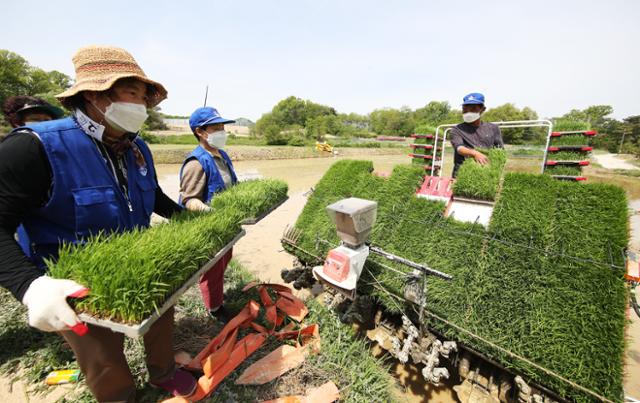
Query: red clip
<point x="556" y="134"/>
<point x="581" y="178"/>
<point x="80" y="293"/>
<point x="583" y="163"/>
<point x="586" y="149"/>
<point x="590" y="133"/>
<point x="80" y="329"/>
<point x="552" y="149"/>
<point x="552" y="163"/>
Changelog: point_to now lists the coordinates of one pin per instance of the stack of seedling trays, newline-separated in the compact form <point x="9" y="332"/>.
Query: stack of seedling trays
<point x="424" y="152"/>
<point x="567" y="153"/>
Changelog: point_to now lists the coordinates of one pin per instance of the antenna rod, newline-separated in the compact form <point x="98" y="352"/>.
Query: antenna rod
<point x="206" y="92"/>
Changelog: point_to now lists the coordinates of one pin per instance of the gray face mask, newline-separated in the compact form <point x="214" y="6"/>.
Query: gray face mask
<point x="217" y="139"/>
<point x="125" y="116"/>
<point x="470" y="117"/>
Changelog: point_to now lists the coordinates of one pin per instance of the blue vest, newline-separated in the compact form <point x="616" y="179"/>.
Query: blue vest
<point x="85" y="197"/>
<point x="215" y="183"/>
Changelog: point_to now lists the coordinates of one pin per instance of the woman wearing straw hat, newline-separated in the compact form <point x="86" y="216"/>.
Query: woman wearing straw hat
<point x="69" y="178"/>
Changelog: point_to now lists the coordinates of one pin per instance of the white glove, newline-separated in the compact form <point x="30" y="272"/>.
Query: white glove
<point x="195" y="204"/>
<point x="46" y="300"/>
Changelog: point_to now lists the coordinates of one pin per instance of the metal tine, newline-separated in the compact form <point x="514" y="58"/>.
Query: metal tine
<point x="292" y="234"/>
<point x="473" y="226"/>
<point x="610" y="254"/>
<point x="623" y="251"/>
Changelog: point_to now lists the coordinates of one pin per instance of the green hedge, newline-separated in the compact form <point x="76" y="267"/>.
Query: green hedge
<point x="477" y="181"/>
<point x="511" y="284"/>
<point x="132" y="274"/>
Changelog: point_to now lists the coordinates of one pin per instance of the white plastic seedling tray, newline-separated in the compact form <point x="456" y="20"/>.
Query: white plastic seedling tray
<point x="138" y="330"/>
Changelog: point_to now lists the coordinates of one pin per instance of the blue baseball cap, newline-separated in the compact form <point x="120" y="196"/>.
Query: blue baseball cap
<point x="206" y="116"/>
<point x="475" y="98"/>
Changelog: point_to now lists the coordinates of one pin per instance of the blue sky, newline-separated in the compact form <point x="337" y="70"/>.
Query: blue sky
<point x="354" y="55"/>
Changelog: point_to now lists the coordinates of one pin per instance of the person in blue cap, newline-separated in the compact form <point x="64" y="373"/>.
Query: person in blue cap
<point x="205" y="172"/>
<point x="473" y="133"/>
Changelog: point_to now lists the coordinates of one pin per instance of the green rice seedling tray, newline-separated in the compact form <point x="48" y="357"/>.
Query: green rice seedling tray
<point x="255" y="220"/>
<point x="480" y="182"/>
<point x="539" y="282"/>
<point x="139" y="329"/>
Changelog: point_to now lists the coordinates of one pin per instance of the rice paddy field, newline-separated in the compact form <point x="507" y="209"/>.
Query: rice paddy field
<point x="543" y="281"/>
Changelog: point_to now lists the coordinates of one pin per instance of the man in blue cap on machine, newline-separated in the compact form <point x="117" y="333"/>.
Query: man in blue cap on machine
<point x="473" y="133"/>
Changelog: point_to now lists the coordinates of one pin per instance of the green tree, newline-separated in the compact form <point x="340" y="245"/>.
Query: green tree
<point x="434" y="113"/>
<point x="18" y="77"/>
<point x="294" y="112"/>
<point x="392" y="122"/>
<point x="14" y="75"/>
<point x="594" y="114"/>
<point x="631" y="130"/>
<point x="155" y="120"/>
<point x="509" y="112"/>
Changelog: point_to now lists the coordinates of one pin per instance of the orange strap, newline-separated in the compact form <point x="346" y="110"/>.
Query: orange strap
<point x="224" y="352"/>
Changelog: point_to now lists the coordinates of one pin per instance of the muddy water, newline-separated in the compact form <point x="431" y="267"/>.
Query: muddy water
<point x="300" y="174"/>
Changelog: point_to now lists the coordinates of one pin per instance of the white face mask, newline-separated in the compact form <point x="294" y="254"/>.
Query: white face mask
<point x="125" y="116"/>
<point x="217" y="139"/>
<point x="470" y="117"/>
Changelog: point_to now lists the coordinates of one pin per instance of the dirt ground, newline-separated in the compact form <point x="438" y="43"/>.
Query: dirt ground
<point x="613" y="161"/>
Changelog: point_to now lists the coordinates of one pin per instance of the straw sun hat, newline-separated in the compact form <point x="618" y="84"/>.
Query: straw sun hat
<point x="99" y="67"/>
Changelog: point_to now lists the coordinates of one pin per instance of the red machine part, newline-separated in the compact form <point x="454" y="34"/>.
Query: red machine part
<point x="336" y="266"/>
<point x="425" y="146"/>
<point x="569" y="148"/>
<point x="580" y="132"/>
<point x="581" y="163"/>
<point x="426" y="157"/>
<point x="422" y="136"/>
<point x="436" y="186"/>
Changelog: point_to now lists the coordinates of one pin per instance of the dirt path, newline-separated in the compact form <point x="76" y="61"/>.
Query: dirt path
<point x="612" y="161"/>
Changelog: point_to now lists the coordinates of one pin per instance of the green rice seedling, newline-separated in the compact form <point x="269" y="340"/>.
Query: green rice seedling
<point x="568" y="156"/>
<point x="567" y="170"/>
<point x="252" y="198"/>
<point x="477" y="181"/>
<point x="562" y="125"/>
<point x="538" y="282"/>
<point x="132" y="274"/>
<point x="570" y="139"/>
